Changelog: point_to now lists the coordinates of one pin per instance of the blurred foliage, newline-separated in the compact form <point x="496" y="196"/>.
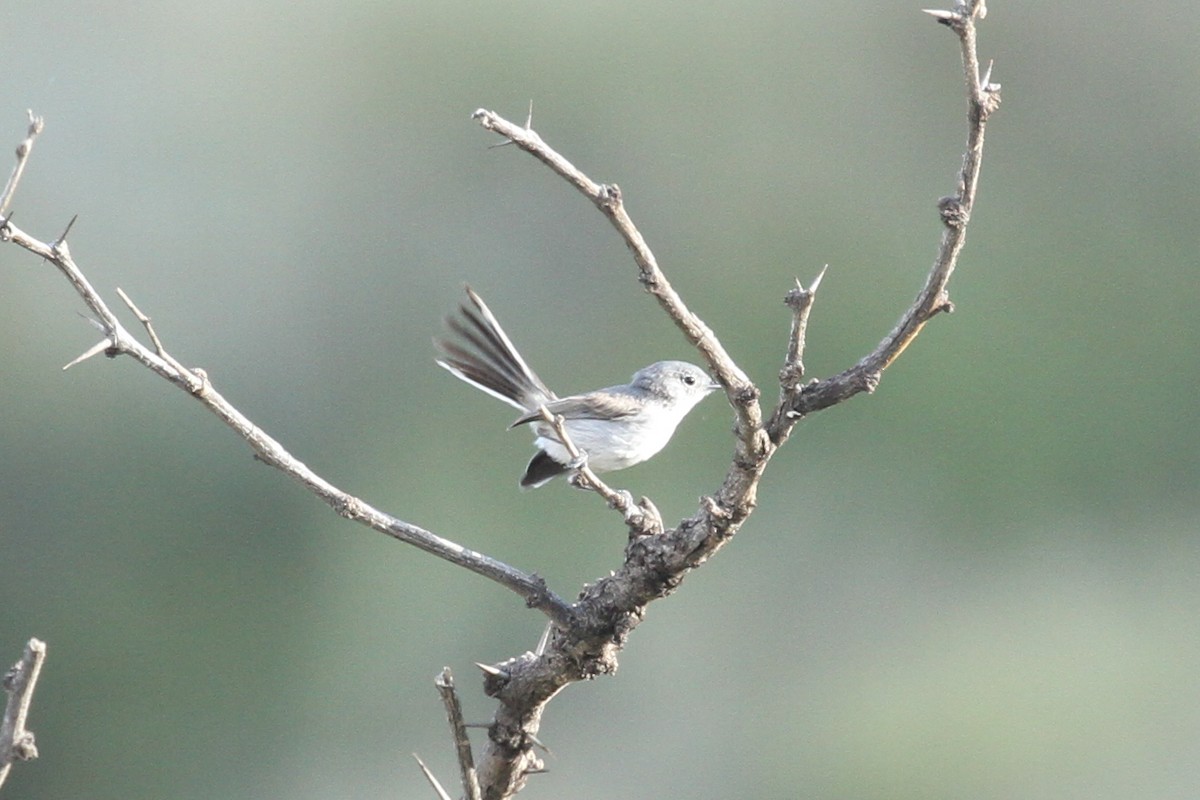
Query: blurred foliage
<point x="979" y="582"/>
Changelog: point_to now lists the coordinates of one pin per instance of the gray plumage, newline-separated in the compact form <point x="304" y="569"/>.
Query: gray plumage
<point x="616" y="427"/>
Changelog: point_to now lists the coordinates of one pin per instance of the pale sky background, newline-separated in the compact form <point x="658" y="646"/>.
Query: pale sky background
<point x="978" y="582"/>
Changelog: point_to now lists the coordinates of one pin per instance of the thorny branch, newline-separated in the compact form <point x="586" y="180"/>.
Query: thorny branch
<point x="586" y="637"/>
<point x="983" y="98"/>
<point x="655" y="565"/>
<point x="117" y="340"/>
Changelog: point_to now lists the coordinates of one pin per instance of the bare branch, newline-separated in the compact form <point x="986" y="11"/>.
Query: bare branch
<point x="118" y="341"/>
<point x="743" y="395"/>
<point x="458" y="729"/>
<point x="17" y="743"/>
<point x="955" y="211"/>
<point x="800" y="301"/>
<point x="23" y="149"/>
<point x="609" y="609"/>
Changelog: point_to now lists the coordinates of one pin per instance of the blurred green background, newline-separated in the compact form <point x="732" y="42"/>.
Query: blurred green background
<point x="979" y="582"/>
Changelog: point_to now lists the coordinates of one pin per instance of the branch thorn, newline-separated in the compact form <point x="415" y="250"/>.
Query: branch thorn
<point x="60" y="243"/>
<point x="433" y="781"/>
<point x="944" y="17"/>
<point x="488" y="669"/>
<point x="539" y="745"/>
<point x="100" y="347"/>
<point x="817" y="280"/>
<point x="95" y="323"/>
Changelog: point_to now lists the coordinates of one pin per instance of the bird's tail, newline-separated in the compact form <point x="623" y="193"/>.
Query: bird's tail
<point x="486" y="358"/>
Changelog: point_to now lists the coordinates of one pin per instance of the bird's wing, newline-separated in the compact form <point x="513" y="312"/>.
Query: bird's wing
<point x="605" y="405"/>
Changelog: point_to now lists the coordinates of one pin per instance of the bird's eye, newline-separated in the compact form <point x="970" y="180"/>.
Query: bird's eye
<point x="690" y="380"/>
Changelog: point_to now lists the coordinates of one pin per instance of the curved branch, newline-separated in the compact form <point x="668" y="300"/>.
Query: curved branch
<point x="119" y="341"/>
<point x="983" y="97"/>
<point x="654" y="566"/>
<point x="607" y="197"/>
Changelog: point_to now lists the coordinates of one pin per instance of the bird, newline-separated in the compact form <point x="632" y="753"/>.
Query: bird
<point x="612" y="428"/>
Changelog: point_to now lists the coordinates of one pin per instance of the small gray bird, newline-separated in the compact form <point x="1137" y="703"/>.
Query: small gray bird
<point x="614" y="428"/>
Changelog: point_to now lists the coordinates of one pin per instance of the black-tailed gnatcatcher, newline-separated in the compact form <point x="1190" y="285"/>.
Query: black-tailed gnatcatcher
<point x="614" y="428"/>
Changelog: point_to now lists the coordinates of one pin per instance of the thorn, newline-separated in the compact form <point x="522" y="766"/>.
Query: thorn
<point x="95" y="323"/>
<point x="433" y="781"/>
<point x="816" y="284"/>
<point x="529" y="119"/>
<point x="538" y="744"/>
<point x="61" y="241"/>
<point x="944" y="17"/>
<point x="490" y="670"/>
<point x="987" y="74"/>
<point x="799" y="297"/>
<point x="99" y="347"/>
<point x="954" y="20"/>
